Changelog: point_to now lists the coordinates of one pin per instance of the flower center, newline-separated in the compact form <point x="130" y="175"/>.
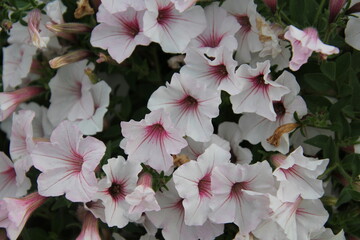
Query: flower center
<point x="165" y="14"/>
<point x="155" y="132"/>
<point x="236" y="189"/>
<point x="117" y="191"/>
<point x="132" y="28"/>
<point x="204" y="186"/>
<point x="219" y="72"/>
<point x="279" y="108"/>
<point x="259" y="82"/>
<point x="244" y="22"/>
<point x="188" y="103"/>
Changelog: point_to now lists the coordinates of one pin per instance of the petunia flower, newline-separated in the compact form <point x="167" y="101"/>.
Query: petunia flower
<point x="297" y="175"/>
<point x="89" y="229"/>
<point x="67" y="163"/>
<point x="10" y="100"/>
<point x="258" y="91"/>
<point x="220" y="30"/>
<point x="191" y="106"/>
<point x="152" y="140"/>
<point x="170" y="28"/>
<point x="216" y="71"/>
<point x="70" y="94"/>
<point x="304" y="43"/>
<point x="248" y="37"/>
<point x="193" y="182"/>
<point x="17" y="64"/>
<point x="239" y="194"/>
<point x="119" y="33"/>
<point x="10" y="186"/>
<point x="182" y="5"/>
<point x="114" y="6"/>
<point x="120" y="180"/>
<point x="171" y="219"/>
<point x="14" y="212"/>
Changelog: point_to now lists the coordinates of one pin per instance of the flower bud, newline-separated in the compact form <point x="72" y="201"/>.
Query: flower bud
<point x="277" y="159"/>
<point x="271" y="4"/>
<point x="68" y="28"/>
<point x="335" y="6"/>
<point x="34" y="29"/>
<point x="70" y="57"/>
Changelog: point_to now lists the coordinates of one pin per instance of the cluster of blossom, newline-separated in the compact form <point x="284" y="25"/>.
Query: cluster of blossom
<point x="213" y="181"/>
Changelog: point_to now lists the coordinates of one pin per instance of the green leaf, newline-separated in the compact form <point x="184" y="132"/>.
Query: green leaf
<point x="343" y="63"/>
<point x="319" y="141"/>
<point x="344" y="197"/>
<point x="329" y="69"/>
<point x="319" y="82"/>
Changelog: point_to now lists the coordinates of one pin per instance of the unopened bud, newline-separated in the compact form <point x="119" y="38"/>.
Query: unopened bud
<point x="329" y="201"/>
<point x="335" y="6"/>
<point x="286" y="128"/>
<point x="105" y="58"/>
<point x="83" y="9"/>
<point x="6" y="24"/>
<point x="277" y="160"/>
<point x="68" y="28"/>
<point x="70" y="57"/>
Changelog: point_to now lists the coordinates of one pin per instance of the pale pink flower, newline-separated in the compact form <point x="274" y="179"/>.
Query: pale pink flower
<point x="100" y="93"/>
<point x="71" y="97"/>
<point x="335" y="7"/>
<point x="239" y="194"/>
<point x="170" y="28"/>
<point x="119" y="32"/>
<point x="327" y="234"/>
<point x="258" y="91"/>
<point x="257" y="129"/>
<point x="120" y="180"/>
<point x="16" y="64"/>
<point x="89" y="229"/>
<point x="195" y="149"/>
<point x="9" y="185"/>
<point x="97" y="208"/>
<point x="182" y="5"/>
<point x="10" y="100"/>
<point x="216" y="71"/>
<point x="114" y="6"/>
<point x="67" y="163"/>
<point x="191" y="106"/>
<point x="297" y="175"/>
<point x="220" y="30"/>
<point x="247" y="36"/>
<point x="171" y="219"/>
<point x="352" y="32"/>
<point x="304" y="43"/>
<point x="55" y="10"/>
<point x="152" y="140"/>
<point x="16" y="212"/>
<point x="193" y="182"/>
<point x="21" y="142"/>
<point x="231" y="132"/>
<point x="271" y="4"/>
<point x="142" y="199"/>
<point x="297" y="219"/>
<point x="34" y="29"/>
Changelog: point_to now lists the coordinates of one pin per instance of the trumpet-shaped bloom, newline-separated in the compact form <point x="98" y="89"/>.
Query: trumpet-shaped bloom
<point x="220" y="30"/>
<point x="171" y="219"/>
<point x="191" y="106"/>
<point x="257" y="129"/>
<point x="216" y="71"/>
<point x="258" y="91"/>
<point x="120" y="180"/>
<point x="89" y="229"/>
<point x="119" y="32"/>
<point x="352" y="32"/>
<point x="17" y="63"/>
<point x="170" y="28"/>
<point x="67" y="163"/>
<point x="10" y="100"/>
<point x="152" y="140"/>
<point x="70" y="94"/>
<point x="248" y="37"/>
<point x="114" y="6"/>
<point x="193" y="182"/>
<point x="14" y="212"/>
<point x="239" y="194"/>
<point x="298" y="176"/>
<point x="304" y="43"/>
<point x="182" y="5"/>
<point x="10" y="186"/>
